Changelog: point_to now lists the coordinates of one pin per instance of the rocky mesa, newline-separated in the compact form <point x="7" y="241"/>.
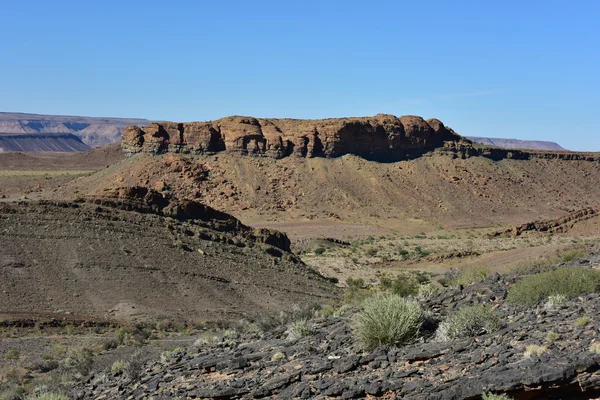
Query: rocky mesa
<point x="382" y="136"/>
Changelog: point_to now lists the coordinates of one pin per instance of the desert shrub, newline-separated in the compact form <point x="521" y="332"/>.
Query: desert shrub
<point x="46" y="365"/>
<point x="278" y="356"/>
<point x="533" y="266"/>
<point x="555" y="301"/>
<point x="298" y="329"/>
<point x="388" y="320"/>
<point x="320" y="250"/>
<point x="581" y="322"/>
<point x="12" y="354"/>
<point x="134" y="367"/>
<point x="12" y="393"/>
<point x="492" y="396"/>
<point x="110" y="344"/>
<point x="402" y="285"/>
<point x="569" y="282"/>
<point x="421" y="252"/>
<point x="358" y="283"/>
<point x="595" y="348"/>
<point x="570" y="255"/>
<point x="117" y="366"/>
<point x="372" y="252"/>
<point x="534" y="350"/>
<point x="14" y="374"/>
<point x="47" y="396"/>
<point x="356" y="291"/>
<point x="553" y="336"/>
<point x="468" y="276"/>
<point x="444" y="281"/>
<point x="468" y="321"/>
<point x="426" y="291"/>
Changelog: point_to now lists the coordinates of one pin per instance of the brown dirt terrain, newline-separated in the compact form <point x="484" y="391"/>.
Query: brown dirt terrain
<point x="424" y="194"/>
<point x="128" y="256"/>
<point x="31" y="175"/>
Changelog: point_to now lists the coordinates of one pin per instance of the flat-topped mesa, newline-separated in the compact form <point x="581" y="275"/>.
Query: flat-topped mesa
<point x="380" y="136"/>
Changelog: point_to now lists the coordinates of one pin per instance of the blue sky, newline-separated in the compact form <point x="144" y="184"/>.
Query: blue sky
<point x="518" y="69"/>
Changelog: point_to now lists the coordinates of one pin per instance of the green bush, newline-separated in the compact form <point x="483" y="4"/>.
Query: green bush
<point x="402" y="285"/>
<point x="388" y="320"/>
<point x="319" y="250"/>
<point x="581" y="322"/>
<point x="571" y="255"/>
<point x="12" y="354"/>
<point x="468" y="276"/>
<point x="569" y="282"/>
<point x="468" y="321"/>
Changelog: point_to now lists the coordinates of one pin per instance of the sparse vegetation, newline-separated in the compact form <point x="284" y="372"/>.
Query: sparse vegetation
<point x="595" y="348"/>
<point x="555" y="301"/>
<point x="403" y="285"/>
<point x="553" y="336"/>
<point x="467" y="276"/>
<point x="468" y="321"/>
<point x="319" y="250"/>
<point x="571" y="255"/>
<point x="388" y="320"/>
<point x="134" y="367"/>
<point x="298" y="329"/>
<point x="278" y="356"/>
<point x="534" y="350"/>
<point x="569" y="282"/>
<point x="117" y="366"/>
<point x="47" y="396"/>
<point x="581" y="322"/>
<point x="12" y="354"/>
<point x="426" y="291"/>
<point x="492" y="396"/>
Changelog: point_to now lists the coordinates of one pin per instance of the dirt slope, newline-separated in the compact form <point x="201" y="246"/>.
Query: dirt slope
<point x="136" y="254"/>
<point x="428" y="192"/>
<point x="97" y="158"/>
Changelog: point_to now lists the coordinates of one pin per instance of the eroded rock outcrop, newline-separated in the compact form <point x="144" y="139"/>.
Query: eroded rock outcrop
<point x="149" y="201"/>
<point x="380" y="136"/>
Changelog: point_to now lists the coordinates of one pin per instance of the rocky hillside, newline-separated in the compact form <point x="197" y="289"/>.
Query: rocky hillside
<point x="92" y="131"/>
<point x="517" y="144"/>
<point x="548" y="351"/>
<point x="379" y="137"/>
<point x="457" y="187"/>
<point x="34" y="142"/>
<point x="135" y="253"/>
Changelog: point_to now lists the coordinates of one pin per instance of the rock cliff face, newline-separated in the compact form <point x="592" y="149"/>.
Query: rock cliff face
<point x="380" y="136"/>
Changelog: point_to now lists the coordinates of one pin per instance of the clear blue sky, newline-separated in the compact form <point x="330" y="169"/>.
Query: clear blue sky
<point x="521" y="69"/>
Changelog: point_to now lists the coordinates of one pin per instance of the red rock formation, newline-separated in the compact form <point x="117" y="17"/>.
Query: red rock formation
<point x="379" y="136"/>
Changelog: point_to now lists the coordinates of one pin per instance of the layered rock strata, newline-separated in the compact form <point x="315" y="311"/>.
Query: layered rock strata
<point x="380" y="136"/>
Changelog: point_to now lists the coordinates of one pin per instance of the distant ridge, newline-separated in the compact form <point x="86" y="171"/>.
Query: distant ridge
<point x="32" y="142"/>
<point x="516" y="143"/>
<point x="92" y="131"/>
